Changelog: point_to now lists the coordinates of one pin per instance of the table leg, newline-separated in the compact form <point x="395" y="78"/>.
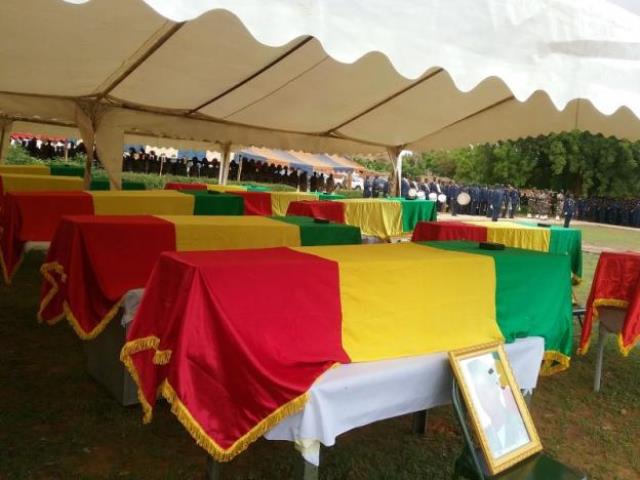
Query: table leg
<point x="214" y="469"/>
<point x="305" y="470"/>
<point x="602" y="337"/>
<point x="419" y="422"/>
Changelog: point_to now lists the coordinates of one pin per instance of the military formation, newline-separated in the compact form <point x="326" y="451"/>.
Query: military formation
<point x="624" y="212"/>
<point x="480" y="200"/>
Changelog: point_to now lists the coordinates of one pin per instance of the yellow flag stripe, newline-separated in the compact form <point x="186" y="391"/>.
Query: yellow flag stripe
<point x="280" y="200"/>
<point x="517" y="235"/>
<point x="378" y="217"/>
<point x="403" y="299"/>
<point x="26" y="169"/>
<point x="31" y="183"/>
<point x="231" y="232"/>
<point x="146" y="202"/>
<point x="226" y="188"/>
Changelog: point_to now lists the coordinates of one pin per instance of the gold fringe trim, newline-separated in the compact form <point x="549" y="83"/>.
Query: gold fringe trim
<point x="626" y="349"/>
<point x="67" y="312"/>
<point x="130" y="349"/>
<point x="161" y="357"/>
<point x="45" y="271"/>
<point x="6" y="274"/>
<point x="184" y="416"/>
<point x="97" y="330"/>
<point x="606" y="302"/>
<point x="554" y="362"/>
<point x="206" y="442"/>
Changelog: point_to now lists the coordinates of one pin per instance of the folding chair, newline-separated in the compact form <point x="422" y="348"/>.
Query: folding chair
<point x="472" y="466"/>
<point x="579" y="313"/>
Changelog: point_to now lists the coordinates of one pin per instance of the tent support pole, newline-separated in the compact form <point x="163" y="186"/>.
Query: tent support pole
<point x="240" y="163"/>
<point x="396" y="176"/>
<point x="88" y="163"/>
<point x="223" y="175"/>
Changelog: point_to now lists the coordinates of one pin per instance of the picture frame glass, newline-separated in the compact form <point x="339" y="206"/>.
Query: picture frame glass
<point x="494" y="401"/>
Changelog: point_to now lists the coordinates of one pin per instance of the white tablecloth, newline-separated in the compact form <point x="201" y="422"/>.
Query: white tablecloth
<point x="40" y="246"/>
<point x="357" y="394"/>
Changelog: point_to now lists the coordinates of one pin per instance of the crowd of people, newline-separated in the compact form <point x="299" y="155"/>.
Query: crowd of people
<point x="140" y="161"/>
<point x="480" y="200"/>
<point x="549" y="204"/>
<point x="48" y="148"/>
<point x="505" y="201"/>
<point x="625" y="212"/>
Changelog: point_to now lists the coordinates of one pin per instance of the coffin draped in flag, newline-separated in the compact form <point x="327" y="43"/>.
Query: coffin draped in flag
<point x="94" y="261"/>
<point x="234" y="340"/>
<point x="616" y="283"/>
<point x="516" y="234"/>
<point x="33" y="216"/>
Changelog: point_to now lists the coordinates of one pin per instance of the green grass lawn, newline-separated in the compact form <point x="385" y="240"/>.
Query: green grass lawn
<point x="617" y="238"/>
<point x="57" y="423"/>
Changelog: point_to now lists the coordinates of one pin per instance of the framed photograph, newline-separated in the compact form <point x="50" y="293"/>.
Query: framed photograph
<point x="497" y="411"/>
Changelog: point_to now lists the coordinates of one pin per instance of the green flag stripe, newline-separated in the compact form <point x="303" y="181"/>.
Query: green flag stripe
<point x="533" y="294"/>
<point x="314" y="234"/>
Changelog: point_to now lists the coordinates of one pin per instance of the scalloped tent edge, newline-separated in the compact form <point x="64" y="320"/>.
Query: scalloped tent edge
<point x="288" y="89"/>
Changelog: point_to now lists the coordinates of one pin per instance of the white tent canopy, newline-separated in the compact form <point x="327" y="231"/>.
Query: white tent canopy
<point x="356" y="76"/>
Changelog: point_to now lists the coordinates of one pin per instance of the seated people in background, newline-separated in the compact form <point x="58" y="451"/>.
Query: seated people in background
<point x="173" y="165"/>
<point x="205" y="167"/>
<point x="385" y="187"/>
<point x="194" y="167"/>
<point x="215" y="168"/>
<point x="404" y="187"/>
<point x="367" y="187"/>
<point x="331" y="184"/>
<point x="376" y="188"/>
<point x="181" y="168"/>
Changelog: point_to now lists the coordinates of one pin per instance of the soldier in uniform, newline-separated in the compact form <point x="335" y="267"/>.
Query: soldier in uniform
<point x="635" y="214"/>
<point x="385" y="187"/>
<point x="376" y="189"/>
<point x="568" y="209"/>
<point x="452" y="196"/>
<point x="515" y="201"/>
<point x="303" y="181"/>
<point x="506" y="204"/>
<point x="331" y="183"/>
<point x="294" y="177"/>
<point x="497" y="198"/>
<point x="128" y="160"/>
<point x="367" y="187"/>
<point x="404" y="187"/>
<point x="490" y="196"/>
<point x="484" y="201"/>
<point x="474" y="193"/>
